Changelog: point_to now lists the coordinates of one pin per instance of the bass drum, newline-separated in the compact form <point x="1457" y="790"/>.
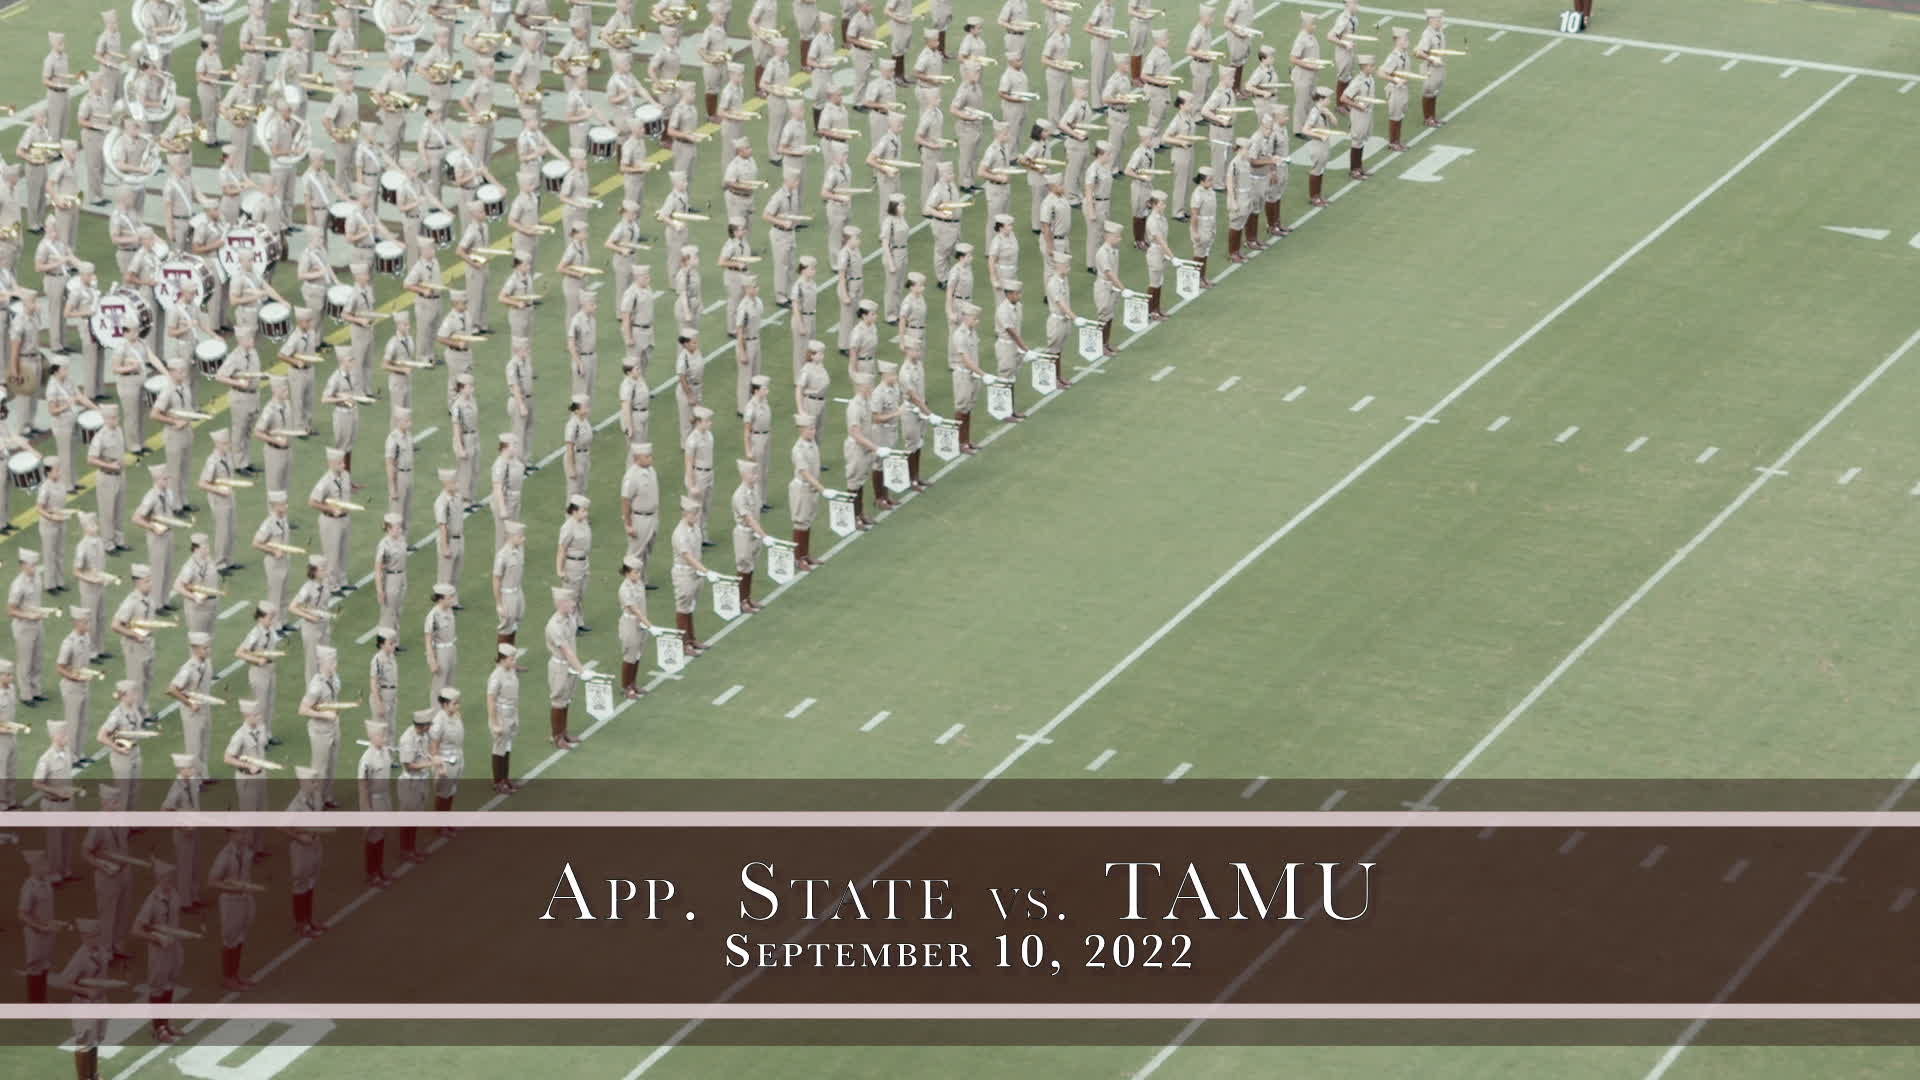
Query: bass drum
<point x="120" y="316"/>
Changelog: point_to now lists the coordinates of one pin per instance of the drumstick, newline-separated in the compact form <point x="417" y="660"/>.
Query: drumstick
<point x="490" y="251"/>
<point x="259" y="763"/>
<point x="337" y="706"/>
<point x="235" y="482"/>
<point x="342" y="504"/>
<point x="12" y="727"/>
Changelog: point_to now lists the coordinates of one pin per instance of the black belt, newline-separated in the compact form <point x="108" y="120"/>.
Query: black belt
<point x="784" y="228"/>
<point x="397" y="468"/>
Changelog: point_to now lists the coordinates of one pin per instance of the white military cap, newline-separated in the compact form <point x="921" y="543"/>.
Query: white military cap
<point x="376" y="728"/>
<point x="317" y="561"/>
<point x="181" y="761"/>
<point x="140" y="570"/>
<point x="443" y="589"/>
<point x="579" y="502"/>
<point x="1322" y="92"/>
<point x="1365" y="58"/>
<point x="1113" y="227"/>
<point x="385" y="633"/>
<point x="123" y="686"/>
<point x="219" y="435"/>
<point x="746" y="464"/>
<point x="334" y="454"/>
<point x="689" y="503"/>
<point x="862" y="379"/>
<point x="640" y="448"/>
<point x="701" y="412"/>
<point x="325" y="652"/>
<point x="511" y="652"/>
<point x="276" y="496"/>
<point x="391" y="519"/>
<point x="514" y="528"/>
<point x="198" y="540"/>
<point x="915" y="277"/>
<point x="29" y="555"/>
<point x="249" y="707"/>
<point x="762" y="380"/>
<point x="199" y="637"/>
<point x="6" y="667"/>
<point x="1436" y="13"/>
<point x="802" y="420"/>
<point x="80" y="613"/>
<point x="305" y="772"/>
<point x="888" y="367"/>
<point x="447" y="474"/>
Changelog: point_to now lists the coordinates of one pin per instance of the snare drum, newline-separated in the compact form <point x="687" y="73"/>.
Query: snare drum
<point x="89" y="424"/>
<point x="185" y="278"/>
<point x="27" y="468"/>
<point x="151" y="390"/>
<point x="493" y="198"/>
<point x="276" y="320"/>
<point x="390" y="183"/>
<point x="338" y="297"/>
<point x="337" y="215"/>
<point x="276" y="249"/>
<point x="653" y="120"/>
<point x="210" y="354"/>
<point x="601" y="141"/>
<point x="438" y="226"/>
<point x="553" y="173"/>
<point x="390" y="257"/>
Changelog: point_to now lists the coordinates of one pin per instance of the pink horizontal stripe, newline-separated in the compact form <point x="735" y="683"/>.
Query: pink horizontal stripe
<point x="992" y="819"/>
<point x="974" y="1012"/>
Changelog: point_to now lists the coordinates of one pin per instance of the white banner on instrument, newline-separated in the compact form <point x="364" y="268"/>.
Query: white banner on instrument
<point x="780" y="565"/>
<point x="726" y="597"/>
<point x="1044" y="373"/>
<point x="1133" y="312"/>
<point x="670" y="649"/>
<point x="840" y="514"/>
<point x="1000" y="399"/>
<point x="1186" y="278"/>
<point x="895" y="472"/>
<point x="599" y="696"/>
<point x="946" y="440"/>
<point x="1090" y="344"/>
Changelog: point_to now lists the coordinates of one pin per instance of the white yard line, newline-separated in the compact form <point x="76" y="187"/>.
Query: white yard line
<point x="1179" y="771"/>
<point x="238" y="607"/>
<point x="1100" y="761"/>
<point x="1258" y="783"/>
<point x="1820" y="881"/>
<point x="1333" y="800"/>
<point x="878" y="719"/>
<point x="1232" y="380"/>
<point x="1634" y="446"/>
<point x="1706" y="455"/>
<point x="795" y="712"/>
<point x="1907" y="87"/>
<point x="1361" y="404"/>
<point x="1790" y="73"/>
<point x="1161" y="374"/>
<point x="1733" y="872"/>
<point x="1506" y="722"/>
<point x="1728" y="66"/>
<point x="1615" y="44"/>
<point x="1498" y="423"/>
<point x="1572" y="841"/>
<point x="1294" y="394"/>
<point x="1847" y="477"/>
<point x="728" y="694"/>
<point x="1567" y="434"/>
<point x="1670" y="58"/>
<point x="1653" y="856"/>
<point x="946" y="736"/>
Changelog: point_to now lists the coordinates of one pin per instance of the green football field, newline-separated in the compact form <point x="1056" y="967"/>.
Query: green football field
<point x="1576" y="444"/>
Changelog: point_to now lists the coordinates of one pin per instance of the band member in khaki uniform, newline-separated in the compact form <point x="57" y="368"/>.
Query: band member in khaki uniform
<point x="640" y="505"/>
<point x="749" y="537"/>
<point x="157" y="922"/>
<point x="231" y="876"/>
<point x="688" y="571"/>
<point x="416" y="776"/>
<point x="563" y="666"/>
<point x="1319" y="131"/>
<point x="71" y="664"/>
<point x="374" y="780"/>
<point x="1433" y="65"/>
<point x="183" y="797"/>
<point x="634" y="626"/>
<point x="304" y="851"/>
<point x="1341" y="35"/>
<point x="805" y="490"/>
<point x="509" y="582"/>
<point x="260" y="650"/>
<point x="1304" y="58"/>
<point x="1394" y="69"/>
<point x="439" y="641"/>
<point x="323" y="724"/>
<point x="191" y="686"/>
<point x="197" y="585"/>
<point x="36" y="913"/>
<point x="137" y="649"/>
<point x="1357" y="101"/>
<point x="574" y="548"/>
<point x="28" y="617"/>
<point x="81" y="977"/>
<point x="963" y="363"/>
<point x="273" y="539"/>
<point x="390" y="570"/>
<point x="446" y="740"/>
<point x="383" y="675"/>
<point x="503" y="714"/>
<point x="449" y="519"/>
<point x="105" y="849"/>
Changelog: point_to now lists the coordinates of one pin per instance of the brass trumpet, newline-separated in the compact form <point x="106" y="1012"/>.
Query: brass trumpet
<point x="618" y="38"/>
<point x="395" y="102"/>
<point x="241" y="114"/>
<point x="589" y="61"/>
<point x="442" y="72"/>
<point x="491" y="38"/>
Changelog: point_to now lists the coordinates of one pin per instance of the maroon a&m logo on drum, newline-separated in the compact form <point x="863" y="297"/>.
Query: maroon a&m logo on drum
<point x="119" y="315"/>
